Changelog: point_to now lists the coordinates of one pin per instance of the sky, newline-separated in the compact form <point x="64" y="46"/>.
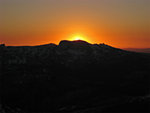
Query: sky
<point x="119" y="23"/>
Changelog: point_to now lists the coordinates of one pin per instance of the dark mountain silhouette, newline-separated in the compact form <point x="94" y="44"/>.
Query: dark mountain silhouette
<point x="74" y="76"/>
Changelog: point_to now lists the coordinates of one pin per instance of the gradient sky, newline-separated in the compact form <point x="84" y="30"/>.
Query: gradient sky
<point x="120" y="23"/>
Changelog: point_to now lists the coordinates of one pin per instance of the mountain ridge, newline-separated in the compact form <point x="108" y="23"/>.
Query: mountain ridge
<point x="82" y="42"/>
<point x="72" y="76"/>
<point x="62" y="42"/>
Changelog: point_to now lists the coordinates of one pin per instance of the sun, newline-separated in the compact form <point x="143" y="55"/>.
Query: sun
<point x="78" y="37"/>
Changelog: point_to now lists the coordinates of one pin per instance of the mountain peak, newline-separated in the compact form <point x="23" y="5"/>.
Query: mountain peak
<point x="73" y="43"/>
<point x="64" y="42"/>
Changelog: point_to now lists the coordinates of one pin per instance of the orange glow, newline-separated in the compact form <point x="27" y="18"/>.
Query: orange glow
<point x="95" y="21"/>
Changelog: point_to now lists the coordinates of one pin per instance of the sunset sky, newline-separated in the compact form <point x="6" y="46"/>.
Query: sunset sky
<point x="120" y="23"/>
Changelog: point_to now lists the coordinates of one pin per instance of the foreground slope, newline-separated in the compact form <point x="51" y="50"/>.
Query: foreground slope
<point x="74" y="76"/>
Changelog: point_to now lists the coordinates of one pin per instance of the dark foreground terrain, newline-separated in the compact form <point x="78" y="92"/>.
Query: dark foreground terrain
<point x="75" y="77"/>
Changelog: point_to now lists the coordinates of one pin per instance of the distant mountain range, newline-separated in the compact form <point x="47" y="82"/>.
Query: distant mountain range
<point x="75" y="77"/>
<point x="143" y="50"/>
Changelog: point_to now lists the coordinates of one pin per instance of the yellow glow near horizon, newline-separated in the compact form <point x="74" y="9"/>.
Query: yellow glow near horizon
<point x="78" y="37"/>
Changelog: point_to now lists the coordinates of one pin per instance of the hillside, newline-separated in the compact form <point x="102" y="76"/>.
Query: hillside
<point x="74" y="76"/>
